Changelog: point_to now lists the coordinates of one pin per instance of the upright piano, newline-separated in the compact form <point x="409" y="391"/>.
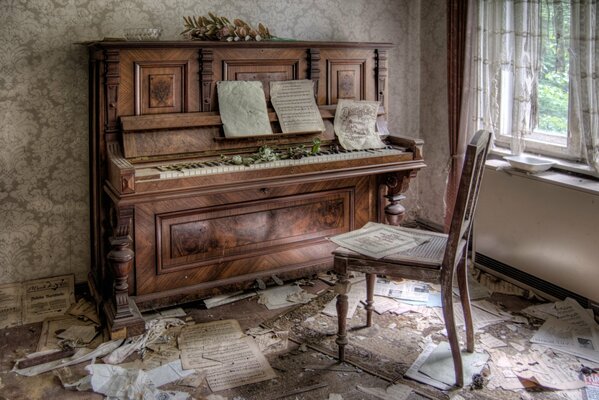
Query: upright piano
<point x="173" y="219"/>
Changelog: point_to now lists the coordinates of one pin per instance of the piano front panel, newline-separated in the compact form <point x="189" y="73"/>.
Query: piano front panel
<point x="158" y="81"/>
<point x="207" y="240"/>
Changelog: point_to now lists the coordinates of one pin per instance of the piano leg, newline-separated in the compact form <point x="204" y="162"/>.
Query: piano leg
<point x="122" y="315"/>
<point x="392" y="186"/>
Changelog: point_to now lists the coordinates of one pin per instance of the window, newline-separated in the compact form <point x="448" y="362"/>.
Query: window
<point x="528" y="48"/>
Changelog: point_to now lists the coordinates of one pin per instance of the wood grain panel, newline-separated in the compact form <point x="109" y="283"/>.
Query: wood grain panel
<point x="282" y="236"/>
<point x="160" y="87"/>
<point x="181" y="63"/>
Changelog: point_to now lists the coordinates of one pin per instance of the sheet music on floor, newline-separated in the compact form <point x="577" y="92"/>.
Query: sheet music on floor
<point x="229" y="357"/>
<point x="378" y="240"/>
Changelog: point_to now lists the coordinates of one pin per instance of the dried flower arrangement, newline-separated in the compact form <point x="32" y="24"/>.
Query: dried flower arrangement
<point x="214" y="27"/>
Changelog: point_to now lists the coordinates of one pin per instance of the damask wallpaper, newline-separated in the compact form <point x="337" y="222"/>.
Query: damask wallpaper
<point x="44" y="222"/>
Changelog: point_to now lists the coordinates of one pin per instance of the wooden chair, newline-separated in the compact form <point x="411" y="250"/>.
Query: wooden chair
<point x="433" y="261"/>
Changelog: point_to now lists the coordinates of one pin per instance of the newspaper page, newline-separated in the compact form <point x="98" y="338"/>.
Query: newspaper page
<point x="592" y="386"/>
<point x="575" y="332"/>
<point x="355" y="123"/>
<point x="10" y="305"/>
<point x="378" y="240"/>
<point x="48" y="297"/>
<point x="242" y="108"/>
<point x="295" y="106"/>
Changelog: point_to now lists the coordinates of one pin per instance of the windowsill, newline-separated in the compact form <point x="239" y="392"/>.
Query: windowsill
<point x="558" y="175"/>
<point x="560" y="164"/>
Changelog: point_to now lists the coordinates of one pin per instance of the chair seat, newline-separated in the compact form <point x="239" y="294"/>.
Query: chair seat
<point x="426" y="255"/>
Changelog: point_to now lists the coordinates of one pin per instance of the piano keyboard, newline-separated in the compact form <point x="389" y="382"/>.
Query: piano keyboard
<point x="218" y="167"/>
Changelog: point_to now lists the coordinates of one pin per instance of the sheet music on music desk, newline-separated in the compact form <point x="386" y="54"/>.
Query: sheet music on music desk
<point x="295" y="106"/>
<point x="355" y="123"/>
<point x="242" y="107"/>
<point x="378" y="240"/>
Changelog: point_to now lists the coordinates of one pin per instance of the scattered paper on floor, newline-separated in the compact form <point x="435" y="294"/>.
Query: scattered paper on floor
<point x="86" y="310"/>
<point x="82" y="354"/>
<point x="393" y="392"/>
<point x="280" y="296"/>
<point x="355" y="295"/>
<point x="439" y="364"/>
<point x="269" y="341"/>
<point x="414" y="371"/>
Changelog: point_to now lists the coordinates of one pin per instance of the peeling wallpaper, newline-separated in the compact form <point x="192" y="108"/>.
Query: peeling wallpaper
<point x="44" y="222"/>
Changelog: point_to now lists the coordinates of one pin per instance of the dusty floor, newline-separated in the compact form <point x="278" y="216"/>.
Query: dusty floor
<point x="382" y="353"/>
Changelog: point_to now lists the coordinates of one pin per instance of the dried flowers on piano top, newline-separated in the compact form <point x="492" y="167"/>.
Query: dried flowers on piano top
<point x="213" y="27"/>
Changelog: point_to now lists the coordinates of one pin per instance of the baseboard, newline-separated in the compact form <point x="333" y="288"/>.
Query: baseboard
<point x="530" y="282"/>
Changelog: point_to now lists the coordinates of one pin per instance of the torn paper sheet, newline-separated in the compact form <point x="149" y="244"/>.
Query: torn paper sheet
<point x="279" y="296"/>
<point x="269" y="341"/>
<point x="414" y="371"/>
<point x="155" y="330"/>
<point x="356" y="293"/>
<point x="85" y="310"/>
<point x="120" y="383"/>
<point x="10" y="305"/>
<point x="548" y="373"/>
<point x="160" y="355"/>
<point x="439" y="365"/>
<point x="48" y="297"/>
<point x="80" y="334"/>
<point x="51" y="327"/>
<point x="393" y="392"/>
<point x="379" y="240"/>
<point x="80" y="356"/>
<point x="227" y="298"/>
<point x="355" y="124"/>
<point x="195" y="342"/>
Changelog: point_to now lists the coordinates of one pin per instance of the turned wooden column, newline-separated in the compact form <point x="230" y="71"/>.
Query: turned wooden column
<point x="121" y="261"/>
<point x="122" y="315"/>
<point x="392" y="186"/>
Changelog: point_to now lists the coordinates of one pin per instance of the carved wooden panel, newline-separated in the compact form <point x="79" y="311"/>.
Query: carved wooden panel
<point x="345" y="80"/>
<point x="234" y="231"/>
<point x="260" y="70"/>
<point x="160" y="87"/>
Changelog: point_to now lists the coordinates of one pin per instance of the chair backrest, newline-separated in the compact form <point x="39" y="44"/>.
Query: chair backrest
<point x="467" y="196"/>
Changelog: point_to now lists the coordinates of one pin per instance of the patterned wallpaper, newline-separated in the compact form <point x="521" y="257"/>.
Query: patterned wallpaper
<point x="44" y="222"/>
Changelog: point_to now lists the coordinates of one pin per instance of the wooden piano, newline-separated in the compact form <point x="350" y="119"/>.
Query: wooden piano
<point x="173" y="220"/>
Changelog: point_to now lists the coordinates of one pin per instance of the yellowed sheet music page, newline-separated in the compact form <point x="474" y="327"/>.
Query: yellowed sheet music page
<point x="295" y="106"/>
<point x="49" y="297"/>
<point x="230" y="358"/>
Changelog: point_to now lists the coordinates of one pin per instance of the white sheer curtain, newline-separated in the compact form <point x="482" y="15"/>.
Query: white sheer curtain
<point x="584" y="76"/>
<point x="508" y="67"/>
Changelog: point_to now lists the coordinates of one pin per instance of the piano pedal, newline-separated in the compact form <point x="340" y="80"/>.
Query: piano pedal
<point x="277" y="280"/>
<point x="261" y="284"/>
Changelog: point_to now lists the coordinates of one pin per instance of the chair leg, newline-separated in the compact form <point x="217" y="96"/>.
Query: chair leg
<point x="462" y="275"/>
<point x="370" y="280"/>
<point x="341" y="288"/>
<point x="452" y="335"/>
